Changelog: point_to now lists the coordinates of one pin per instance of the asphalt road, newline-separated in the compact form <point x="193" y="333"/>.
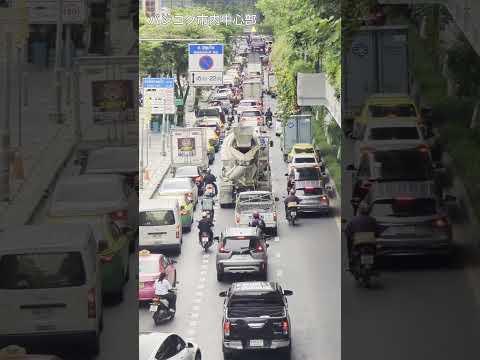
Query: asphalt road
<point x="420" y="309"/>
<point x="304" y="258"/>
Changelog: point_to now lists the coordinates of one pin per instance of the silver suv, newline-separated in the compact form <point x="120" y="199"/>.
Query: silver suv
<point x="241" y="250"/>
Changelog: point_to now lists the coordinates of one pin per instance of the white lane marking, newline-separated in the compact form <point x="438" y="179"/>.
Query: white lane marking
<point x="203" y="272"/>
<point x="191" y="332"/>
<point x="206" y="256"/>
<point x="205" y="261"/>
<point x="279" y="273"/>
<point x="204" y="266"/>
<point x="200" y="286"/>
<point x="192" y="323"/>
<point x="199" y="293"/>
<point x="196" y="307"/>
<point x="195" y="315"/>
<point x="197" y="300"/>
<point x="202" y="279"/>
<point x="276" y="239"/>
<point x="277" y="255"/>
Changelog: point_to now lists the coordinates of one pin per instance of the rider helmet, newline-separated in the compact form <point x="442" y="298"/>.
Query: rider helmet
<point x="256" y="215"/>
<point x="204" y="215"/>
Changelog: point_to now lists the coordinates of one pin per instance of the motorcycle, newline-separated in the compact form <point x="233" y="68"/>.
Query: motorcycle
<point x="161" y="310"/>
<point x="292" y="212"/>
<point x="363" y="258"/>
<point x="205" y="241"/>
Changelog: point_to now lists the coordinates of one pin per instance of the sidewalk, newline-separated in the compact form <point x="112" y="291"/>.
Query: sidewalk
<point x="44" y="145"/>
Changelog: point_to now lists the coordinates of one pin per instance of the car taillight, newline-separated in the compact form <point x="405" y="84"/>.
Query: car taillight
<point x="177" y="234"/>
<point x="259" y="248"/>
<point x="440" y="223"/>
<point x="119" y="215"/>
<point x="367" y="149"/>
<point x="222" y="249"/>
<point x="423" y="148"/>
<point x="106" y="259"/>
<point x="324" y="199"/>
<point x="92" y="305"/>
<point x="285" y="327"/>
<point x="226" y="328"/>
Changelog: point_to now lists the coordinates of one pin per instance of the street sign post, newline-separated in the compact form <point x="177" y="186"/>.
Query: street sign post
<point x="205" y="64"/>
<point x="161" y="93"/>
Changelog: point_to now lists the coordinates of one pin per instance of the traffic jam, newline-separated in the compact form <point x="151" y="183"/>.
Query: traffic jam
<point x="220" y="232"/>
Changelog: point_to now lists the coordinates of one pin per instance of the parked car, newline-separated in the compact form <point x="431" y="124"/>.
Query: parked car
<point x="50" y="288"/>
<point x="150" y="266"/>
<point x="192" y="172"/>
<point x="242" y="250"/>
<point x="262" y="202"/>
<point x="262" y="325"/>
<point x="251" y="118"/>
<point x="163" y="346"/>
<point x="303" y="160"/>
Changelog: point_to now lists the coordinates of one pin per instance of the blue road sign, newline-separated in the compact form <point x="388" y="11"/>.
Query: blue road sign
<point x="205" y="48"/>
<point x="205" y="62"/>
<point x="158" y="83"/>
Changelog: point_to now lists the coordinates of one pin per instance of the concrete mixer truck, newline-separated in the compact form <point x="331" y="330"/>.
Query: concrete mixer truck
<point x="245" y="164"/>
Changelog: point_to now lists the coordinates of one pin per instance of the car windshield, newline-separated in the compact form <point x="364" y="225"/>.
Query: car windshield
<point x="157" y="218"/>
<point x="178" y="184"/>
<point x="307" y="174"/>
<point x="239" y="243"/>
<point x="42" y="270"/>
<point x="304" y="151"/>
<point x="188" y="171"/>
<point x="404" y="165"/>
<point x="251" y="113"/>
<point x="148" y="266"/>
<point x="404" y="208"/>
<point x="394" y="133"/>
<point x="84" y="193"/>
<point x="305" y="160"/>
<point x="403" y="110"/>
<point x="208" y="112"/>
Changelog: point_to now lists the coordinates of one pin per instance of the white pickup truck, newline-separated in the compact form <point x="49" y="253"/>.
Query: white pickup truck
<point x="262" y="201"/>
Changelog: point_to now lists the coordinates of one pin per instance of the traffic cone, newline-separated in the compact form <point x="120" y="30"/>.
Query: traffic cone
<point x="146" y="175"/>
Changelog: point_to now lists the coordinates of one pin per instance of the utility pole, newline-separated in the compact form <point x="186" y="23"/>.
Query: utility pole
<point x="58" y="62"/>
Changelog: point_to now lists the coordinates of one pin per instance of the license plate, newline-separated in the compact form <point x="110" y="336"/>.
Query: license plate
<point x="367" y="259"/>
<point x="293" y="213"/>
<point x="256" y="343"/>
<point x="141" y="285"/>
<point x="153" y="308"/>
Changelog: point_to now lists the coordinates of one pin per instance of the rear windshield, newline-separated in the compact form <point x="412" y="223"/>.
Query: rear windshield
<point x="405" y="110"/>
<point x="186" y="172"/>
<point x="157" y="218"/>
<point x="306" y="174"/>
<point x="404" y="165"/>
<point x="304" y="151"/>
<point x="248" y="103"/>
<point x="80" y="193"/>
<point x="404" y="208"/>
<point x="179" y="184"/>
<point x="245" y="207"/>
<point x="42" y="270"/>
<point x="394" y="133"/>
<point x="237" y="244"/>
<point x="251" y="113"/>
<point x="148" y="266"/>
<point x="208" y="112"/>
<point x="305" y="160"/>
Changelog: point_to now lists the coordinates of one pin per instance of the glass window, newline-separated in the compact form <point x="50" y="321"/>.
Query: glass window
<point x="157" y="218"/>
<point x="187" y="171"/>
<point x="404" y="208"/>
<point x="177" y="184"/>
<point x="394" y="133"/>
<point x="251" y="113"/>
<point x="148" y="265"/>
<point x="402" y="110"/>
<point x="208" y="112"/>
<point x="308" y="174"/>
<point x="305" y="160"/>
<point x="42" y="270"/>
<point x="239" y="243"/>
<point x="405" y="165"/>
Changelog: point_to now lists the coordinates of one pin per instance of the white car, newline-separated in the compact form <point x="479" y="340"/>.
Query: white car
<point x="247" y="104"/>
<point x="251" y="117"/>
<point x="303" y="160"/>
<point x="262" y="201"/>
<point x="177" y="186"/>
<point x="167" y="346"/>
<point x="383" y="132"/>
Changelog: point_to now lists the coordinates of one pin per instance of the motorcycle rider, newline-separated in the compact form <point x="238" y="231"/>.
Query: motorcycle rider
<point x="257" y="221"/>
<point x="208" y="202"/>
<point x="205" y="226"/>
<point x="268" y="116"/>
<point x="360" y="223"/>
<point x="210" y="179"/>
<point x="163" y="290"/>
<point x="291" y="198"/>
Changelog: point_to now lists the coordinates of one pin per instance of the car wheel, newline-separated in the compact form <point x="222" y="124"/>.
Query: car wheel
<point x="93" y="349"/>
<point x="219" y="276"/>
<point x="286" y="354"/>
<point x="198" y="356"/>
<point x="227" y="356"/>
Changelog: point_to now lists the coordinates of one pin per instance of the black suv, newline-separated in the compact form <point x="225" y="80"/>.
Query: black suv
<point x="256" y="319"/>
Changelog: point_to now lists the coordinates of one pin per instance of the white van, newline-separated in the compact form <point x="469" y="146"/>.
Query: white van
<point x="50" y="287"/>
<point x="160" y="225"/>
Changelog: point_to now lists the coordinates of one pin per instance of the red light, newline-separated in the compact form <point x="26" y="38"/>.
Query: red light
<point x="423" y="148"/>
<point x="222" y="249"/>
<point x="285" y="327"/>
<point x="440" y="223"/>
<point x="92" y="305"/>
<point x="259" y="248"/>
<point x="106" y="259"/>
<point x="226" y="328"/>
<point x="119" y="215"/>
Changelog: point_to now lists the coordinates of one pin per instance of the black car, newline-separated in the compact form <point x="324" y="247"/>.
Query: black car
<point x="256" y="319"/>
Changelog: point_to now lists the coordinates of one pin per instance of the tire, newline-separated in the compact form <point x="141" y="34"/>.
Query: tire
<point x="275" y="231"/>
<point x="219" y="276"/>
<point x="198" y="356"/>
<point x="264" y="276"/>
<point x="286" y="354"/>
<point x="93" y="349"/>
<point x="179" y="249"/>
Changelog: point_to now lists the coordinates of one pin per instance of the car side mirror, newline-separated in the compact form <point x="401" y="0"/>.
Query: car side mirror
<point x="223" y="294"/>
<point x="350" y="167"/>
<point x="271" y="143"/>
<point x="268" y="245"/>
<point x="190" y="345"/>
<point x="287" y="292"/>
<point x="276" y="198"/>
